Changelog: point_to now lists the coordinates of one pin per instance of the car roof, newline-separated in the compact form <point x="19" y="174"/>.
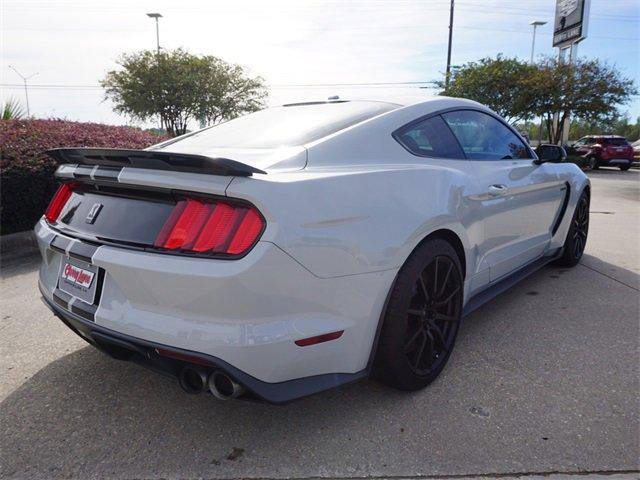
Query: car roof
<point x="603" y="136"/>
<point x="397" y="100"/>
<point x="412" y="105"/>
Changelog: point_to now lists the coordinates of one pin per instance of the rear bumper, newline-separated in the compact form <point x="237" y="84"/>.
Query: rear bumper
<point x="247" y="313"/>
<point x="145" y="353"/>
<point x="616" y="161"/>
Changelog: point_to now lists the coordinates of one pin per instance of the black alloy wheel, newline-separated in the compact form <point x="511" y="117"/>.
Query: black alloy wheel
<point x="422" y="317"/>
<point x="433" y="316"/>
<point x="580" y="227"/>
<point x="576" y="240"/>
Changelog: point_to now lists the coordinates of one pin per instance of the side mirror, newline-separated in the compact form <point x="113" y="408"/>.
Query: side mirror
<point x="550" y="153"/>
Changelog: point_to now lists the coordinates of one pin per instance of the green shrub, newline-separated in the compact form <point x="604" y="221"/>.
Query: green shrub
<point x="27" y="182"/>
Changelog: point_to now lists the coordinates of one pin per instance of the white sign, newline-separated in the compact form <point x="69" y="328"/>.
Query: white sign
<point x="570" y="26"/>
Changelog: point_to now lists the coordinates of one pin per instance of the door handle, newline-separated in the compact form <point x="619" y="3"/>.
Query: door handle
<point x="497" y="190"/>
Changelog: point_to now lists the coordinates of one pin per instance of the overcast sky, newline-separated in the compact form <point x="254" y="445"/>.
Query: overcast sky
<point x="304" y="43"/>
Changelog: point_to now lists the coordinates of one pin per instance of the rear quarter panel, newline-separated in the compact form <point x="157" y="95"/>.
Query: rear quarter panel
<point x="363" y="202"/>
<point x="361" y="220"/>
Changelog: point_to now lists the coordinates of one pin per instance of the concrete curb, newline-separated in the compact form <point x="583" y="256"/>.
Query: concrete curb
<point x="17" y="245"/>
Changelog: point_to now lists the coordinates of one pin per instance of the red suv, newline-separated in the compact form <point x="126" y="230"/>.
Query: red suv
<point x="605" y="151"/>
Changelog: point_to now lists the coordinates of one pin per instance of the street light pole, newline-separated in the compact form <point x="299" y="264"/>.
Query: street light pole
<point x="26" y="91"/>
<point x="156" y="16"/>
<point x="536" y="24"/>
<point x="448" y="72"/>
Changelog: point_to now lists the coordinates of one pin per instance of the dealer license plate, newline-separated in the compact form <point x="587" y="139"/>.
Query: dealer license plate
<point x="78" y="279"/>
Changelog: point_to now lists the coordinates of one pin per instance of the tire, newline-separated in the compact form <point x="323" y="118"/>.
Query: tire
<point x="577" y="236"/>
<point x="592" y="163"/>
<point x="624" y="168"/>
<point x="422" y="318"/>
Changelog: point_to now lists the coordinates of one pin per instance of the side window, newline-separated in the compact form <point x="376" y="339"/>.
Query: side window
<point x="580" y="143"/>
<point x="430" y="138"/>
<point x="482" y="137"/>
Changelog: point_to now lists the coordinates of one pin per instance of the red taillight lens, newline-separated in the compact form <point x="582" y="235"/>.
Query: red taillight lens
<point x="59" y="200"/>
<point x="202" y="226"/>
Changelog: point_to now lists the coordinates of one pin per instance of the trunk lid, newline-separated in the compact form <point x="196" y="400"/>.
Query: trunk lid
<point x="127" y="197"/>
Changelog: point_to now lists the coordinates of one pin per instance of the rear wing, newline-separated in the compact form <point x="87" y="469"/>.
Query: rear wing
<point x="153" y="160"/>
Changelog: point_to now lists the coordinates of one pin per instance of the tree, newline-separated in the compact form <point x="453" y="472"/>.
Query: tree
<point x="619" y="125"/>
<point x="503" y="84"/>
<point x="179" y="87"/>
<point x="589" y="90"/>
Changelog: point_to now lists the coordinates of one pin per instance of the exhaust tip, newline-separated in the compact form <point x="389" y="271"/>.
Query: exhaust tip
<point x="193" y="380"/>
<point x="223" y="387"/>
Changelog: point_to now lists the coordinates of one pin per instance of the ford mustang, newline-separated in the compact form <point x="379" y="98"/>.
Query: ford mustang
<point x="305" y="246"/>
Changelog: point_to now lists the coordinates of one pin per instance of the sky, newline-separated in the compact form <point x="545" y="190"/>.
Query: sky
<point x="304" y="49"/>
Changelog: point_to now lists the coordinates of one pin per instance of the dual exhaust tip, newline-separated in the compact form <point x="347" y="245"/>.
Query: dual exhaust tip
<point x="195" y="379"/>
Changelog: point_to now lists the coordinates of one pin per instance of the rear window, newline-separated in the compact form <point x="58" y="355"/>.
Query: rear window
<point x="430" y="138"/>
<point x="288" y="125"/>
<point x="586" y="141"/>
<point x="615" y="141"/>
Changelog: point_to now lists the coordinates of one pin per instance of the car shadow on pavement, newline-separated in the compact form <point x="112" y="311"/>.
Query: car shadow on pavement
<point x="104" y="408"/>
<point x="603" y="171"/>
<point x="18" y="265"/>
<point x="113" y="413"/>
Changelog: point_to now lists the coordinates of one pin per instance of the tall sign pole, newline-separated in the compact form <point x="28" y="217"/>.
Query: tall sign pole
<point x="570" y="28"/>
<point x="448" y="72"/>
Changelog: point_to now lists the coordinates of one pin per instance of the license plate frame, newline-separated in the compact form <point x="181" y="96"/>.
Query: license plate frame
<point x="79" y="279"/>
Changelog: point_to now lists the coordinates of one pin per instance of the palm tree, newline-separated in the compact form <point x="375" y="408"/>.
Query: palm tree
<point x="12" y="110"/>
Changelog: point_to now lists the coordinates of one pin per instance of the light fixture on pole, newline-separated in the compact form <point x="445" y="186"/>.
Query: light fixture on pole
<point x="26" y="91"/>
<point x="536" y="24"/>
<point x="156" y="16"/>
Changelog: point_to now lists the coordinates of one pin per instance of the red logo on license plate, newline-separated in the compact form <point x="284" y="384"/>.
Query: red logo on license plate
<point x="77" y="275"/>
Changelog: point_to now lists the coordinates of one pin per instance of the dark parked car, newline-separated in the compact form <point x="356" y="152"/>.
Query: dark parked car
<point x="604" y="151"/>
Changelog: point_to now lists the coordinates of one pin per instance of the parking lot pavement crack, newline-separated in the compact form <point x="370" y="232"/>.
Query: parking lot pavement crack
<point x="609" y="277"/>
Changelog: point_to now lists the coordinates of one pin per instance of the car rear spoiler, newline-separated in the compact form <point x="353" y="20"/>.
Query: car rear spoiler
<point x="154" y="160"/>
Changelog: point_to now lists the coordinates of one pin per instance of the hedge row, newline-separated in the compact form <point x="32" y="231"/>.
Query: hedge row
<point x="27" y="182"/>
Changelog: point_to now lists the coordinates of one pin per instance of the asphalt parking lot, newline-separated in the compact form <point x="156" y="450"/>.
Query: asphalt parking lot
<point x="544" y="379"/>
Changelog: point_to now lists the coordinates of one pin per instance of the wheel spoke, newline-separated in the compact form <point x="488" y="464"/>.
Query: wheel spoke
<point x="435" y="278"/>
<point x="414" y="311"/>
<point x="431" y="343"/>
<point x="446" y="318"/>
<point x="420" y="352"/>
<point x="407" y="346"/>
<point x="438" y="334"/>
<point x="448" y="299"/>
<point x="446" y="279"/>
<point x="425" y="292"/>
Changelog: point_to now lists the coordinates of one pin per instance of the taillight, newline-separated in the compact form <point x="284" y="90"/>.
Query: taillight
<point x="216" y="227"/>
<point x="59" y="200"/>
